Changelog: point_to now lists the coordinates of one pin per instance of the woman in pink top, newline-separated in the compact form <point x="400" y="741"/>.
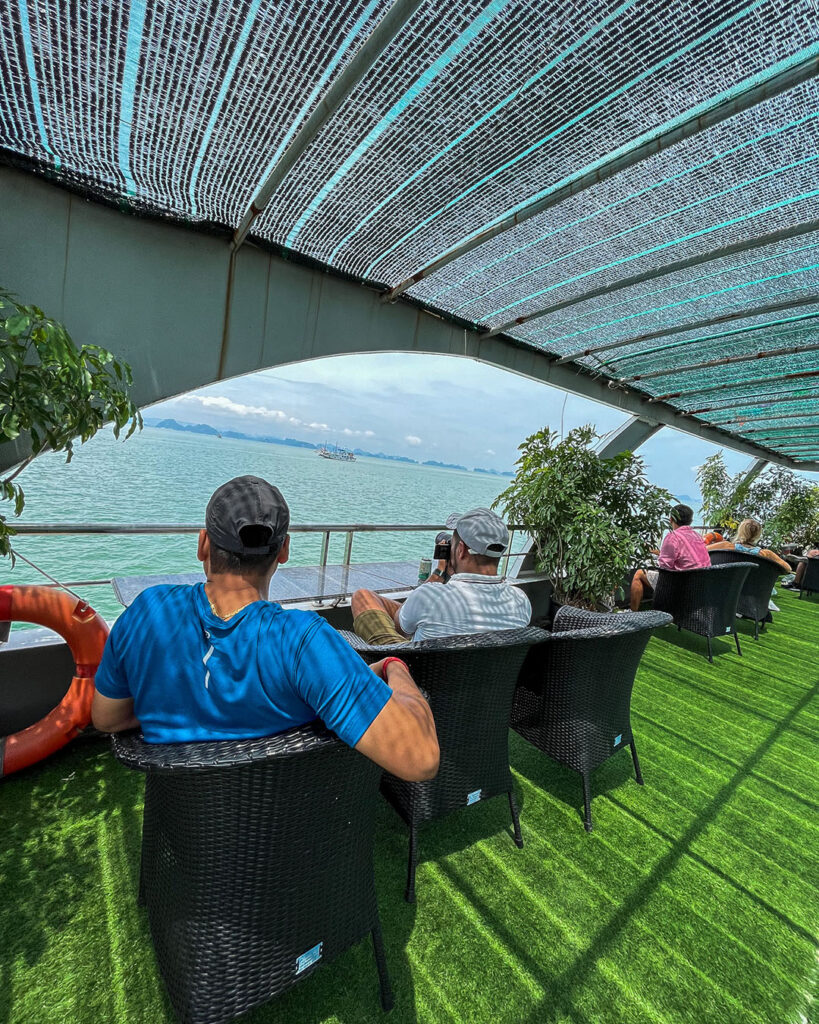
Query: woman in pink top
<point x="681" y="549"/>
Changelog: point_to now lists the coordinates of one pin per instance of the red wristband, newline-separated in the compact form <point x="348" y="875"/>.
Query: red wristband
<point x="387" y="662"/>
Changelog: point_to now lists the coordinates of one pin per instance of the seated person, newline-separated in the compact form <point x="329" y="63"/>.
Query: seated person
<point x="682" y="548"/>
<point x="713" y="536"/>
<point x="796" y="582"/>
<point x="474" y="600"/>
<point x="218" y="661"/>
<point x="747" y="539"/>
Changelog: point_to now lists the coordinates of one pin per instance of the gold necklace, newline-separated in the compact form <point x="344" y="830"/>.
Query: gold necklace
<point x="231" y="614"/>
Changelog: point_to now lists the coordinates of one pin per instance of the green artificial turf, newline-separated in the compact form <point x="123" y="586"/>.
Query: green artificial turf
<point x="694" y="900"/>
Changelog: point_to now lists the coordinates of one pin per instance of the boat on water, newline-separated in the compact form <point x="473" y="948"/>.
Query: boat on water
<point x="336" y="453"/>
<point x="607" y="198"/>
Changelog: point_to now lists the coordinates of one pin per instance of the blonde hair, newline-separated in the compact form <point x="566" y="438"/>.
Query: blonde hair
<point x="748" y="532"/>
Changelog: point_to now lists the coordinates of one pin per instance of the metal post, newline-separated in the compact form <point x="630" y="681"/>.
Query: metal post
<point x="348" y="548"/>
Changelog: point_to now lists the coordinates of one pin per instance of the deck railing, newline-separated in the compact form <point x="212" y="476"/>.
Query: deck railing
<point x="349" y="530"/>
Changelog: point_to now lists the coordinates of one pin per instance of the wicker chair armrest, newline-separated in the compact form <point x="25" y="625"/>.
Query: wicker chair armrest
<point x="131" y="749"/>
<point x="725" y="567"/>
<point x="599" y="624"/>
<point x="357" y="644"/>
<point x="497" y="638"/>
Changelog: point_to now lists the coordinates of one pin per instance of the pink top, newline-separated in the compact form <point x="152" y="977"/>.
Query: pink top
<point x="683" y="548"/>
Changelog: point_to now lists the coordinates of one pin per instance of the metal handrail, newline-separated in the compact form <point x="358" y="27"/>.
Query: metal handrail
<point x="326" y="530"/>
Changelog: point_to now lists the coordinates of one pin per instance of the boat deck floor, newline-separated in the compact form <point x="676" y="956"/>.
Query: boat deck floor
<point x="694" y="900"/>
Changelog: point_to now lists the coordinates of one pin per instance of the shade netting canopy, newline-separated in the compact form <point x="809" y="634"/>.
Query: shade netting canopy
<point x="630" y="188"/>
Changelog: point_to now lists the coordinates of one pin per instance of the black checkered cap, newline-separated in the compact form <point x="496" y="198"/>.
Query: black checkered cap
<point x="247" y="501"/>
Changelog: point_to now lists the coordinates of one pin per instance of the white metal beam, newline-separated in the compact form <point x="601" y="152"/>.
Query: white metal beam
<point x="669" y="332"/>
<point x="757" y="89"/>
<point x="379" y="39"/>
<point x="628" y="437"/>
<point x="746" y="245"/>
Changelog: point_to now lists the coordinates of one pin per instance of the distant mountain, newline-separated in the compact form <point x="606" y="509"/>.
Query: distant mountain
<point x="195" y="428"/>
<point x="291" y="442"/>
<point x="444" y="465"/>
<point x="493" y="472"/>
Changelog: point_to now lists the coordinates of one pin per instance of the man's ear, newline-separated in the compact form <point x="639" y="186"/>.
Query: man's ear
<point x="284" y="552"/>
<point x="203" y="547"/>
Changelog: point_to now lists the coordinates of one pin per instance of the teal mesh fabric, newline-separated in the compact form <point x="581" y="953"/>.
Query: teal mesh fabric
<point x="631" y="186"/>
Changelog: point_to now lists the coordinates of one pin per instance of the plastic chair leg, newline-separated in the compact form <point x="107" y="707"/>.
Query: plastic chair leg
<point x="638" y="774"/>
<point x="587" y="801"/>
<point x="409" y="895"/>
<point x="710" y="652"/>
<point x="513" y="807"/>
<point x="387" y="998"/>
<point x="736" y="638"/>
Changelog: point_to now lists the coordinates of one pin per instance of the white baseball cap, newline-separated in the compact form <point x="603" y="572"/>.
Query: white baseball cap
<point x="482" y="530"/>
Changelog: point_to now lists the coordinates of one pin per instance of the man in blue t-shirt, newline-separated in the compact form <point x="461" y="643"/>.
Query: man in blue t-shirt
<point x="219" y="661"/>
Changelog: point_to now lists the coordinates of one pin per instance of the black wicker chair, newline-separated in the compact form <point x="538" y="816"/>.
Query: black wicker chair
<point x="755" y="595"/>
<point x="469" y="682"/>
<point x="573" y="697"/>
<point x="703" y="601"/>
<point x="257" y="864"/>
<point x="810" y="581"/>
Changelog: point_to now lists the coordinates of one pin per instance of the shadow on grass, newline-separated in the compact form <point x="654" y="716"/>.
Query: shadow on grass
<point x="48" y="862"/>
<point x="53" y="884"/>
<point x="697" y="644"/>
<point x="563" y="989"/>
<point x="563" y="783"/>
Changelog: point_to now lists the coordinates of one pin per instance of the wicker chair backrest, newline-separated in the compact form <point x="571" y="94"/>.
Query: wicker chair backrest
<point x="702" y="600"/>
<point x="254" y="852"/>
<point x="574" y="691"/>
<point x="756" y="590"/>
<point x="810" y="581"/>
<point x="470" y="683"/>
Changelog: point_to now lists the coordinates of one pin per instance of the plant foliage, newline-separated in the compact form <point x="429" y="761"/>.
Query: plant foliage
<point x="591" y="519"/>
<point x="53" y="391"/>
<point x="787" y="506"/>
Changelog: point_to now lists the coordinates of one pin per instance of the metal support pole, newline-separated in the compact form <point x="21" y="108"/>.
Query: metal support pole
<point x="628" y="438"/>
<point x="348" y="548"/>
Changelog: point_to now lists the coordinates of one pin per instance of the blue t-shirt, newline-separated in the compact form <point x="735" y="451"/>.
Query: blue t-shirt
<point x="194" y="676"/>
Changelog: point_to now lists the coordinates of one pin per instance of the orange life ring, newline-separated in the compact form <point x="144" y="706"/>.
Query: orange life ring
<point x="85" y="632"/>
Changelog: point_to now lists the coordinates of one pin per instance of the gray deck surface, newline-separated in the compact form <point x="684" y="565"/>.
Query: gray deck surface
<point x="296" y="583"/>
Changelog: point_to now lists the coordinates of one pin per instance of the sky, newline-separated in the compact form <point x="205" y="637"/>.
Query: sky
<point x="445" y="408"/>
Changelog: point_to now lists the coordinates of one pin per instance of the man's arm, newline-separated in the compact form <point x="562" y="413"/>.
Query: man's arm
<point x="111" y="715"/>
<point x="402" y="738"/>
<point x="668" y="552"/>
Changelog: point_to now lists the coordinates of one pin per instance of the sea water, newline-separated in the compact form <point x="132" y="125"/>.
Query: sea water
<point x="162" y="476"/>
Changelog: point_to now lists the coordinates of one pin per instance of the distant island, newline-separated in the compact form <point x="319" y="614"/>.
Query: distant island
<point x="444" y="465"/>
<point x="292" y="442"/>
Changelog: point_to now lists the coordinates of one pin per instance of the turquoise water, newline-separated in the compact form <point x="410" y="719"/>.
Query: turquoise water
<point x="159" y="476"/>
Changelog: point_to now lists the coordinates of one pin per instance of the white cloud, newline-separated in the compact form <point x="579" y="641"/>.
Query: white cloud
<point x="489" y="451"/>
<point x="413" y="440"/>
<point x="358" y="433"/>
<point x="237" y="408"/>
<point x="317" y="426"/>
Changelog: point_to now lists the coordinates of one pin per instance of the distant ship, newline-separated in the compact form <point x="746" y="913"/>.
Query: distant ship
<point x="334" y="452"/>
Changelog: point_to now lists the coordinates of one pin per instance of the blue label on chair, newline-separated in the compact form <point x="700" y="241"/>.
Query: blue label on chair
<point x="309" y="958"/>
<point x="473" y="798"/>
<point x="617" y="738"/>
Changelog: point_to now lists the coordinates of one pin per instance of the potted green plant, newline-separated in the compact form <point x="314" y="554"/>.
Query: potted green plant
<point x="54" y="392"/>
<point x="591" y="519"/>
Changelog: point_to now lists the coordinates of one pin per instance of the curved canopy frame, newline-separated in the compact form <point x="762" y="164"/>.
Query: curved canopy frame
<point x="625" y="193"/>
